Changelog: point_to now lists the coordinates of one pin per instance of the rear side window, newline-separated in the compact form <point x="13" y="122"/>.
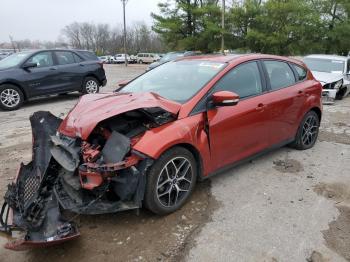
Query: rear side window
<point x="280" y="74"/>
<point x="301" y="72"/>
<point x="244" y="80"/>
<point x="65" y="58"/>
<point x="88" y="55"/>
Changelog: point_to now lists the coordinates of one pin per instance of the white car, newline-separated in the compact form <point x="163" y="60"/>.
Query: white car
<point x="104" y="59"/>
<point x="334" y="74"/>
<point x="147" y="58"/>
<point x="120" y="58"/>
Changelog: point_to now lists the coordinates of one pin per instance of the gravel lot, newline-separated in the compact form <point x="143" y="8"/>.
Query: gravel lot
<point x="285" y="206"/>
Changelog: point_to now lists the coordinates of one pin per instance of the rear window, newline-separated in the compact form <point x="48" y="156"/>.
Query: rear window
<point x="88" y="55"/>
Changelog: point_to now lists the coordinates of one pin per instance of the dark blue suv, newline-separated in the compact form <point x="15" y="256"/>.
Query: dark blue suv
<point x="35" y="73"/>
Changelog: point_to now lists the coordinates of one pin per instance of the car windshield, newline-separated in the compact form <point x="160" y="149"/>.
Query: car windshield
<point x="14" y="60"/>
<point x="177" y="81"/>
<point x="325" y="65"/>
<point x="170" y="56"/>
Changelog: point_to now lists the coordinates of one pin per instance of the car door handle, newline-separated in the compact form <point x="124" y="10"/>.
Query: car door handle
<point x="260" y="107"/>
<point x="81" y="64"/>
<point x="53" y="68"/>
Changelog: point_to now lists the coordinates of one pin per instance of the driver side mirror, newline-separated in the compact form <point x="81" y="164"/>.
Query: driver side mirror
<point x="225" y="98"/>
<point x="29" y="65"/>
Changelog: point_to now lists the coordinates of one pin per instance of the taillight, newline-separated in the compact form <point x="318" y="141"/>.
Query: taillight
<point x="101" y="64"/>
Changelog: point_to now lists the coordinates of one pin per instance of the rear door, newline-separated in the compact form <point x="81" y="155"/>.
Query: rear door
<point x="42" y="79"/>
<point x="287" y="97"/>
<point x="71" y="69"/>
<point x="239" y="131"/>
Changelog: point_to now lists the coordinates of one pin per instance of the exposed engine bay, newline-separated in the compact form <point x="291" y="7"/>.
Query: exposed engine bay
<point x="98" y="175"/>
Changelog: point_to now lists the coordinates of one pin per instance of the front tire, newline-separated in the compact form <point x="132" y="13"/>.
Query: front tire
<point x="11" y="97"/>
<point x="307" y="132"/>
<point x="91" y="85"/>
<point x="170" y="181"/>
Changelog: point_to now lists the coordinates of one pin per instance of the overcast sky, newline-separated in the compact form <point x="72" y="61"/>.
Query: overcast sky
<point x="44" y="19"/>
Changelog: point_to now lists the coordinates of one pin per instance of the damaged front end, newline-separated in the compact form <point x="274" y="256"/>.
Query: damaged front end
<point x="94" y="175"/>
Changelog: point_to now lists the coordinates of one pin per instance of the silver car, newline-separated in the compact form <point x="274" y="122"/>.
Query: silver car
<point x="334" y="74"/>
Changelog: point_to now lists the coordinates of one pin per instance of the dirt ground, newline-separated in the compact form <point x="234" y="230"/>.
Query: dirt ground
<point x="129" y="236"/>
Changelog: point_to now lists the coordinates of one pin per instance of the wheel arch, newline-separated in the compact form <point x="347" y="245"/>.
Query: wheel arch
<point x="94" y="76"/>
<point x="318" y="112"/>
<point x="16" y="85"/>
<point x="197" y="156"/>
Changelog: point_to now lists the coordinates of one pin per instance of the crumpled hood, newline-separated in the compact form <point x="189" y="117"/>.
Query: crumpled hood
<point x="326" y="78"/>
<point x="92" y="109"/>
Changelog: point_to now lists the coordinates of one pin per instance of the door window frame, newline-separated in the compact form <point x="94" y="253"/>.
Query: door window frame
<point x="268" y="78"/>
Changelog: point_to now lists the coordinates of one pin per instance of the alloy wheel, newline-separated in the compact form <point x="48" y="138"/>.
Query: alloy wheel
<point x="310" y="130"/>
<point x="174" y="181"/>
<point x="10" y="98"/>
<point x="91" y="87"/>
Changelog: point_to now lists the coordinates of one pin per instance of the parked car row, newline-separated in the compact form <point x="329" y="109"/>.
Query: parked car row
<point x="141" y="58"/>
<point x="171" y="56"/>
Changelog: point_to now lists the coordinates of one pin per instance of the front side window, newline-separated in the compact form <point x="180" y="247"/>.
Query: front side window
<point x="177" y="81"/>
<point x="43" y="59"/>
<point x="244" y="80"/>
<point x="65" y="58"/>
<point x="280" y="74"/>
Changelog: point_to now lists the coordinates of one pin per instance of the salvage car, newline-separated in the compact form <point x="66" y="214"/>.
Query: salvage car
<point x="148" y="143"/>
<point x="31" y="74"/>
<point x="334" y="74"/>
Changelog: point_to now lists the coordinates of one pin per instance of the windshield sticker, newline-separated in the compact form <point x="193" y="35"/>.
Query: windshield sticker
<point x="212" y="65"/>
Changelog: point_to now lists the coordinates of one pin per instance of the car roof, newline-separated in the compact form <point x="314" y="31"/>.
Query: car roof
<point x="232" y="57"/>
<point x="334" y="57"/>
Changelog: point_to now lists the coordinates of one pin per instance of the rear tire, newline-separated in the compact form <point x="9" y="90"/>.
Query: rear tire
<point x="90" y="85"/>
<point x="11" y="97"/>
<point x="307" y="132"/>
<point x="170" y="181"/>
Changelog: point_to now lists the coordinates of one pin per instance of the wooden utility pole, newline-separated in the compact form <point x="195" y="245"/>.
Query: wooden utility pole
<point x="125" y="50"/>
<point x="222" y="26"/>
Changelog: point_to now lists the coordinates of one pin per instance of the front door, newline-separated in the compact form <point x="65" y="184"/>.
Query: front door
<point x="239" y="131"/>
<point x="41" y="79"/>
